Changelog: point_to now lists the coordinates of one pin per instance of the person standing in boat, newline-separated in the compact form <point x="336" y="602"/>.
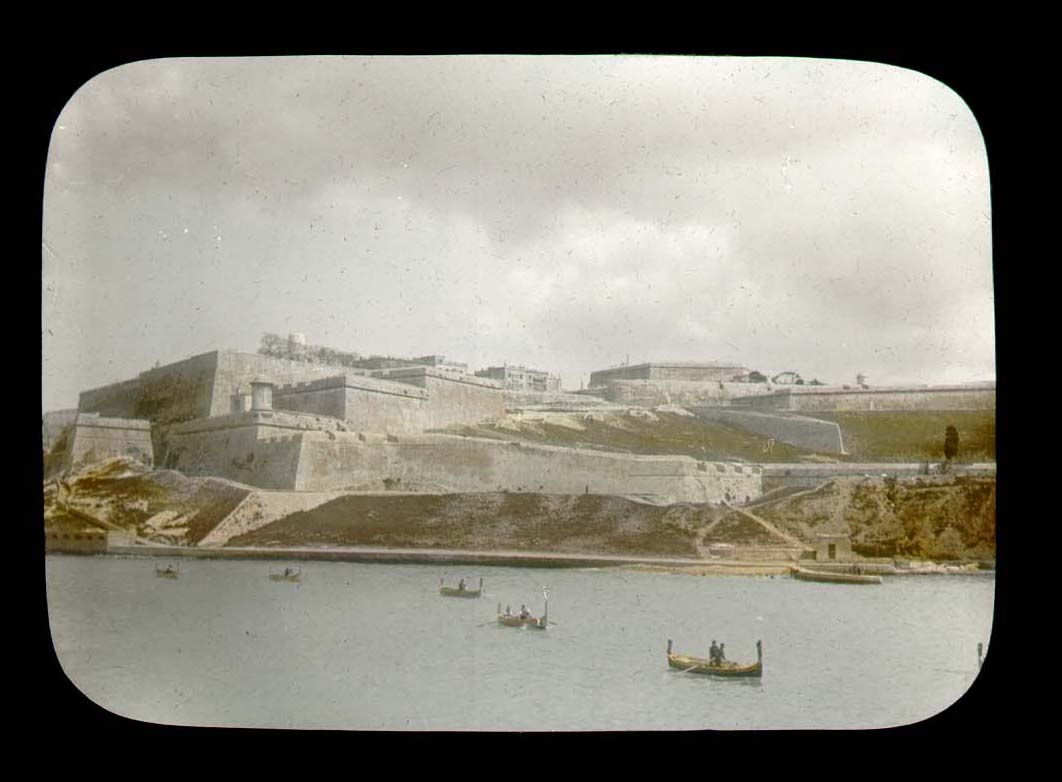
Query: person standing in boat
<point x="461" y="585"/>
<point x="713" y="652"/>
<point x="524" y="613"/>
<point x="722" y="652"/>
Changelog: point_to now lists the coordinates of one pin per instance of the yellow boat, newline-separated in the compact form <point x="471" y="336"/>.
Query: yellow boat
<point x="723" y="668"/>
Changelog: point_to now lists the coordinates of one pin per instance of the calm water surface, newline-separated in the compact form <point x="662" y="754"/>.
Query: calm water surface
<point x="363" y="646"/>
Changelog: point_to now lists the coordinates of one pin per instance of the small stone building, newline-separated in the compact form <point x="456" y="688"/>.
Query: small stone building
<point x="833" y="547"/>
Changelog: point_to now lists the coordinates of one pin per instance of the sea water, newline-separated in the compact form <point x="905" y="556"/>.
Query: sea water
<point x="372" y="646"/>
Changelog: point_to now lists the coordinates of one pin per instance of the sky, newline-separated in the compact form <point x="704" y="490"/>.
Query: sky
<point x="568" y="213"/>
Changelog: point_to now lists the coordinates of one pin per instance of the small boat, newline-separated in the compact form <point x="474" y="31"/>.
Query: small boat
<point x="459" y="590"/>
<point x="524" y="618"/>
<point x="722" y="668"/>
<point x="170" y="571"/>
<point x="294" y="575"/>
<point x="833" y="578"/>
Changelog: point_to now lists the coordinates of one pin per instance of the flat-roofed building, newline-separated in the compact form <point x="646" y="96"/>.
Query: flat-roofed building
<point x="520" y="378"/>
<point x="704" y="371"/>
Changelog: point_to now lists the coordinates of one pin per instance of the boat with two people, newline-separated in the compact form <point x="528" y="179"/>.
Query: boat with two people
<point x="716" y="664"/>
<point x="524" y="618"/>
<point x="293" y="575"/>
<point x="803" y="574"/>
<point x="460" y="590"/>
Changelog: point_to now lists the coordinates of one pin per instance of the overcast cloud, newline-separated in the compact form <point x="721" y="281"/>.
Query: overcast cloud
<point x="560" y="212"/>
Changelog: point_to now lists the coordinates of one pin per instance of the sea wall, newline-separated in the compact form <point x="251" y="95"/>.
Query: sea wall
<point x="811" y="434"/>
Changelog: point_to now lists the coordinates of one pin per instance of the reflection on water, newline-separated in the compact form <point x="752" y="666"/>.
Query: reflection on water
<point x="376" y="647"/>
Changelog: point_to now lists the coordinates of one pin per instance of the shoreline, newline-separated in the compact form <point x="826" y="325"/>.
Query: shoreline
<point x="382" y="555"/>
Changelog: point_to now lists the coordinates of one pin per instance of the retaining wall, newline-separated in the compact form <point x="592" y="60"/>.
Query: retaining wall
<point x="456" y="464"/>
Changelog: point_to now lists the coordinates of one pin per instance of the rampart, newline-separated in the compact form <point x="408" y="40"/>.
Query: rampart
<point x="282" y="450"/>
<point x="684" y="393"/>
<point x="257" y="448"/>
<point x="92" y="438"/>
<point x="458" y="464"/>
<point x="809" y="399"/>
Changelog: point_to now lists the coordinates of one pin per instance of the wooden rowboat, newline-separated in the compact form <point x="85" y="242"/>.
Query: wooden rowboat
<point x="460" y="590"/>
<point x="290" y="574"/>
<point x="689" y="664"/>
<point x="833" y="578"/>
<point x="517" y="620"/>
<point x="169" y="571"/>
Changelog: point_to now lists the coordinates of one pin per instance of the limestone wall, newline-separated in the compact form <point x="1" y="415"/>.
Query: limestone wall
<point x="924" y="398"/>
<point x="93" y="439"/>
<point x="454" y="400"/>
<point x="455" y="464"/>
<point x="808" y="433"/>
<point x="651" y="393"/>
<point x="259" y="449"/>
<point x="235" y="371"/>
<point x="117" y="399"/>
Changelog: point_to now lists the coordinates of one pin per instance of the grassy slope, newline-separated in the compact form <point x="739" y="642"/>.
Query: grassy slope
<point x="886" y="436"/>
<point x="915" y="435"/>
<point x="539" y="522"/>
<point x="672" y="433"/>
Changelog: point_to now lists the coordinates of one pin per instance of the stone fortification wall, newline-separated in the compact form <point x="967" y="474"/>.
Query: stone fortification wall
<point x="461" y="400"/>
<point x="907" y="398"/>
<point x="259" y="449"/>
<point x="116" y="400"/>
<point x="197" y="387"/>
<point x="808" y="433"/>
<point x="180" y="391"/>
<point x="684" y="393"/>
<point x="457" y="464"/>
<point x="556" y="401"/>
<point x="92" y="438"/>
<point x="365" y="403"/>
<point x="282" y="450"/>
<point x="53" y="424"/>
<point x="235" y="371"/>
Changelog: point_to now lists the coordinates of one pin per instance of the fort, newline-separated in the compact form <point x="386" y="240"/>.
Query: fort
<point x="373" y="424"/>
<point x="298" y="417"/>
